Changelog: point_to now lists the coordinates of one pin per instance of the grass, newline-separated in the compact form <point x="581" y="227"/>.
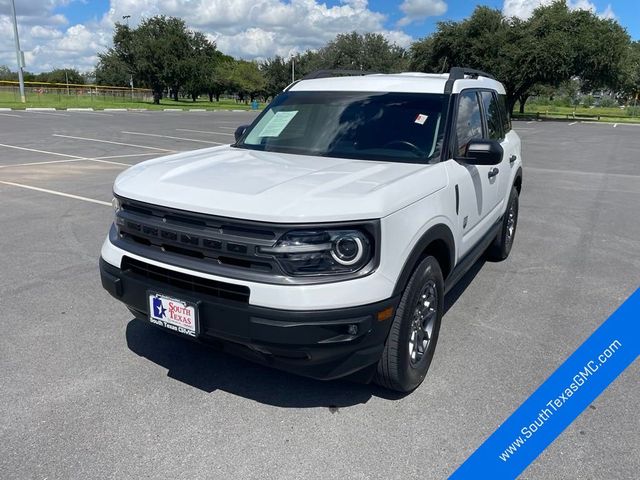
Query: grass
<point x="62" y="101"/>
<point x="607" y="114"/>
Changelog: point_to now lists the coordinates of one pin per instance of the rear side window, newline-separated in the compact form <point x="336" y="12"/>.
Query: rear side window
<point x="492" y="114"/>
<point x="504" y="113"/>
<point x="468" y="120"/>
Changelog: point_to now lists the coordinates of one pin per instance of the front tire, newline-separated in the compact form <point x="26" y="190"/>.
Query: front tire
<point x="501" y="246"/>
<point x="414" y="332"/>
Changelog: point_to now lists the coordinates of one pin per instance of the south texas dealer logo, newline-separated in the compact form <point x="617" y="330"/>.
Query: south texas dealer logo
<point x="158" y="309"/>
<point x="173" y="314"/>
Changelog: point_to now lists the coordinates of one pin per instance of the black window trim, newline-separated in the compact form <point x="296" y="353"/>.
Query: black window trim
<point x="494" y="94"/>
<point x="506" y="119"/>
<point x="453" y="144"/>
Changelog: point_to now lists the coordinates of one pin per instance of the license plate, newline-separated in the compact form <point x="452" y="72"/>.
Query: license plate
<point x="172" y="313"/>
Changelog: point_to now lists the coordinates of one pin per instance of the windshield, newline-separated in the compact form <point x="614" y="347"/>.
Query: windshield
<point x="396" y="127"/>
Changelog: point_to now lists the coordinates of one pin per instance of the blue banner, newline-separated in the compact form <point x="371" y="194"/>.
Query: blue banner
<point x="560" y="399"/>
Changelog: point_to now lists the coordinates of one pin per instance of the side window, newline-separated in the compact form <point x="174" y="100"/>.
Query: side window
<point x="468" y="120"/>
<point x="504" y="113"/>
<point x="492" y="114"/>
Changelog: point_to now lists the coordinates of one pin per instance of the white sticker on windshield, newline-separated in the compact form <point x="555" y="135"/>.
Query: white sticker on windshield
<point x="278" y="123"/>
<point x="421" y="118"/>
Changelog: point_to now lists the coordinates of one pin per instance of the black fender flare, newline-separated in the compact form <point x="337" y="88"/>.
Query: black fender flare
<point x="440" y="233"/>
<point x="517" y="179"/>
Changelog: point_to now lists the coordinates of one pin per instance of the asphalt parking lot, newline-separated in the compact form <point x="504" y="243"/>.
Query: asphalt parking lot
<point x="87" y="392"/>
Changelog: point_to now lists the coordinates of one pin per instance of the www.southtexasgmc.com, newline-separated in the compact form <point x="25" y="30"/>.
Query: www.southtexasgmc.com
<point x="556" y="404"/>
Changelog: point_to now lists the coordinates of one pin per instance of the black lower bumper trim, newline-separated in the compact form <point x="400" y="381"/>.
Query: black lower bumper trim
<point x="323" y="344"/>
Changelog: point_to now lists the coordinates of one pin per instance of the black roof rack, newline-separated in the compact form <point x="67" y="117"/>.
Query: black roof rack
<point x="336" y="73"/>
<point x="458" y="73"/>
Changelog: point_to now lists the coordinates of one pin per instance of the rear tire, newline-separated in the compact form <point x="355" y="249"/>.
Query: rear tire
<point x="501" y="246"/>
<point x="414" y="332"/>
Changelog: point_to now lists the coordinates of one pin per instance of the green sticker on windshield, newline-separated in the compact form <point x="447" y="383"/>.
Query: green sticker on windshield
<point x="278" y="123"/>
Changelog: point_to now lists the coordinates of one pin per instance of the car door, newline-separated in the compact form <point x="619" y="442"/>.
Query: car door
<point x="476" y="185"/>
<point x="497" y="128"/>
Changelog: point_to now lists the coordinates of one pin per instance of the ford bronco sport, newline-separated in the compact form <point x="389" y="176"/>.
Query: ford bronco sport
<point x="323" y="240"/>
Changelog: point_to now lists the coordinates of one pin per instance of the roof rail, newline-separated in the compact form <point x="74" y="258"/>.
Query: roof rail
<point x="336" y="73"/>
<point x="458" y="73"/>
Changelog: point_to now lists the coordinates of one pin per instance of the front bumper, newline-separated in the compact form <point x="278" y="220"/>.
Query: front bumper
<point x="323" y="344"/>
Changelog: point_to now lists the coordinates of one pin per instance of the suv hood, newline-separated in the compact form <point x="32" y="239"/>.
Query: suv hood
<point x="277" y="187"/>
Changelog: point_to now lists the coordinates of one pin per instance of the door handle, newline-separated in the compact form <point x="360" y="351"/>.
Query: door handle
<point x="512" y="158"/>
<point x="493" y="172"/>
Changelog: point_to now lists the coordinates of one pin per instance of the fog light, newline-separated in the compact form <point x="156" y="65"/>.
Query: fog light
<point x="352" y="329"/>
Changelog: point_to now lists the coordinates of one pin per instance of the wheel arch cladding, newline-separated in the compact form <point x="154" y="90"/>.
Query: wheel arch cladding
<point x="438" y="242"/>
<point x="517" y="182"/>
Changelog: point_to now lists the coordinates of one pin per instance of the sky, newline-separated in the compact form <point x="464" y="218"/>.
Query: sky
<point x="70" y="33"/>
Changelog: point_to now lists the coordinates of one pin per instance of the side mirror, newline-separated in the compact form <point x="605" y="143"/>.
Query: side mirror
<point x="483" y="152"/>
<point x="240" y="131"/>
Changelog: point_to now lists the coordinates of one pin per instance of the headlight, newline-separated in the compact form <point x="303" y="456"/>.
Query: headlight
<point x="322" y="252"/>
<point x="115" y="203"/>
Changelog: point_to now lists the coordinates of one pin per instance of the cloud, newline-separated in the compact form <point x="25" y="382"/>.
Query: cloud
<point x="251" y="29"/>
<point x="417" y="10"/>
<point x="262" y="28"/>
<point x="46" y="38"/>
<point x="608" y="13"/>
<point x="524" y="8"/>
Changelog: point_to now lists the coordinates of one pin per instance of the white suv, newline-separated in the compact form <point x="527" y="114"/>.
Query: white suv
<point x="323" y="241"/>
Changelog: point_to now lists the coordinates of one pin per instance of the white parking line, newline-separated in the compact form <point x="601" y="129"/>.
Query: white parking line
<point x="578" y="172"/>
<point x="203" y="131"/>
<point x="72" y="158"/>
<point x="122" y="156"/>
<point x="223" y="122"/>
<point x="92" y="113"/>
<point x="588" y="122"/>
<point x="10" y="115"/>
<point x="43" y="163"/>
<point x="108" y="161"/>
<point x="48" y="113"/>
<point x="572" y="123"/>
<point x="54" y="192"/>
<point x="41" y="151"/>
<point x="113" y="143"/>
<point x="172" y="138"/>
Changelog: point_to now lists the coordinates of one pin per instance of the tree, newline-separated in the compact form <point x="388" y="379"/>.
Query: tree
<point x="156" y="54"/>
<point x="629" y="79"/>
<point x="348" y="51"/>
<point x="6" y="73"/>
<point x="371" y="51"/>
<point x="277" y="75"/>
<point x="201" y="62"/>
<point x="61" y="75"/>
<point x="160" y="54"/>
<point x="247" y="80"/>
<point x="549" y="48"/>
<point x="111" y="70"/>
<point x="219" y="80"/>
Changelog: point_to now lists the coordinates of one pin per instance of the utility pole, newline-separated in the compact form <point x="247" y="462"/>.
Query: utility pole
<point x="19" y="54"/>
<point x="293" y="69"/>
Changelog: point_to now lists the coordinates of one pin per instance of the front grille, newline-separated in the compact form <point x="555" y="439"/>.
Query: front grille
<point x="221" y="246"/>
<point x="215" y="240"/>
<point x="188" y="283"/>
